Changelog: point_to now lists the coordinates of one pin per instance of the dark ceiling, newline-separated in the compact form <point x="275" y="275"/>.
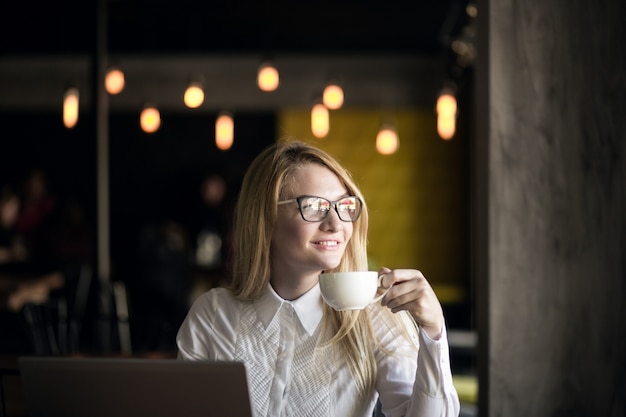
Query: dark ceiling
<point x="194" y="26"/>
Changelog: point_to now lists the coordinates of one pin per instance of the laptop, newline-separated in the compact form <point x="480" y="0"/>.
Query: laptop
<point x="133" y="387"/>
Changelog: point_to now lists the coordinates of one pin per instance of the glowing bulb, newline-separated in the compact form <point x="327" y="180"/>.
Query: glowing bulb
<point x="319" y="120"/>
<point x="150" y="119"/>
<point x="333" y="96"/>
<point x="70" y="108"/>
<point x="446" y="115"/>
<point x="114" y="81"/>
<point x="268" y="78"/>
<point x="224" y="131"/>
<point x="387" y="141"/>
<point x="194" y="95"/>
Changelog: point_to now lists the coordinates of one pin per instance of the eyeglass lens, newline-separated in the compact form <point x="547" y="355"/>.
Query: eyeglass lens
<point x="317" y="208"/>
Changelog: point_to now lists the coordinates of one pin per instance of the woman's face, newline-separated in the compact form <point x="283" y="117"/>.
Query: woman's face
<point x="300" y="247"/>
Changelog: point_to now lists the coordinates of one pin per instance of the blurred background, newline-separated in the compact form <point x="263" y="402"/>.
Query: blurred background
<point x="120" y="228"/>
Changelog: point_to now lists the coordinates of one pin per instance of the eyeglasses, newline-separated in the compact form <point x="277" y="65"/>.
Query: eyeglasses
<point x="315" y="209"/>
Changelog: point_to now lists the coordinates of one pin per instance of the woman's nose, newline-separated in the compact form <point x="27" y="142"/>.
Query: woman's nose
<point x="332" y="221"/>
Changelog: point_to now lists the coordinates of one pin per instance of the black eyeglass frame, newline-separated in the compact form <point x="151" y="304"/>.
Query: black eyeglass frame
<point x="333" y="204"/>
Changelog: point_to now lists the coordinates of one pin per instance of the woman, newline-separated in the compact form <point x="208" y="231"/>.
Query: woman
<point x="302" y="357"/>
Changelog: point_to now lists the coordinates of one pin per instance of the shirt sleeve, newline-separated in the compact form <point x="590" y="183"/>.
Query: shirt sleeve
<point x="193" y="335"/>
<point x="209" y="330"/>
<point x="415" y="381"/>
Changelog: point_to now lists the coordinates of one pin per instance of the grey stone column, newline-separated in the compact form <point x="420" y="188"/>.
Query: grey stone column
<point x="550" y="200"/>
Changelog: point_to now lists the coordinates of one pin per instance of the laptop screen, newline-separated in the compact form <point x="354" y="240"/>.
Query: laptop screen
<point x="117" y="387"/>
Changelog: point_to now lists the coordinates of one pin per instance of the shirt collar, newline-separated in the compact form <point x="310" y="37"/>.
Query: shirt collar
<point x="308" y="308"/>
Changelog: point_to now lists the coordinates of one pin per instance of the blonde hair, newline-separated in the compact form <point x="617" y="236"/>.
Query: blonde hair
<point x="266" y="182"/>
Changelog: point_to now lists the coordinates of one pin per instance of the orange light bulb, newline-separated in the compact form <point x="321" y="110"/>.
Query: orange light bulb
<point x="150" y="119"/>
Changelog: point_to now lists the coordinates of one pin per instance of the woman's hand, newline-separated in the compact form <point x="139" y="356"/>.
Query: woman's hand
<point x="409" y="290"/>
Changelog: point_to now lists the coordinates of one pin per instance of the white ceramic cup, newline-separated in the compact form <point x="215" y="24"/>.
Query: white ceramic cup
<point x="352" y="290"/>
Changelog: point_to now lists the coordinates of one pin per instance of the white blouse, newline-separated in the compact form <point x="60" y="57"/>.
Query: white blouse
<point x="289" y="375"/>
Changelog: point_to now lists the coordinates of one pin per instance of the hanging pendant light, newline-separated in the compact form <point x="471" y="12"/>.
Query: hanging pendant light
<point x="194" y="95"/>
<point x="387" y="141"/>
<point x="268" y="78"/>
<point x="224" y="131"/>
<point x="333" y="96"/>
<point x="114" y="81"/>
<point x="70" y="107"/>
<point x="446" y="114"/>
<point x="150" y="119"/>
<point x="320" y="123"/>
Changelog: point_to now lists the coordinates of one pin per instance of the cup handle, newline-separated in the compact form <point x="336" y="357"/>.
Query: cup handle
<point x="380" y="296"/>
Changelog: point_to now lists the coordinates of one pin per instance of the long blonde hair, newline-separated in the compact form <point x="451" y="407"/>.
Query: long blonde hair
<point x="264" y="184"/>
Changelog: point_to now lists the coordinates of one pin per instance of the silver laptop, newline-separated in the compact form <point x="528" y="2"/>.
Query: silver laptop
<point x="116" y="387"/>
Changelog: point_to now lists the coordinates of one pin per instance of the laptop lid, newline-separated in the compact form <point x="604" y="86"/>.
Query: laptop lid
<point x="118" y="387"/>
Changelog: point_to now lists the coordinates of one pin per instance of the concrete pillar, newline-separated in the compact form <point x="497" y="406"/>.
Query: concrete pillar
<point x="550" y="199"/>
